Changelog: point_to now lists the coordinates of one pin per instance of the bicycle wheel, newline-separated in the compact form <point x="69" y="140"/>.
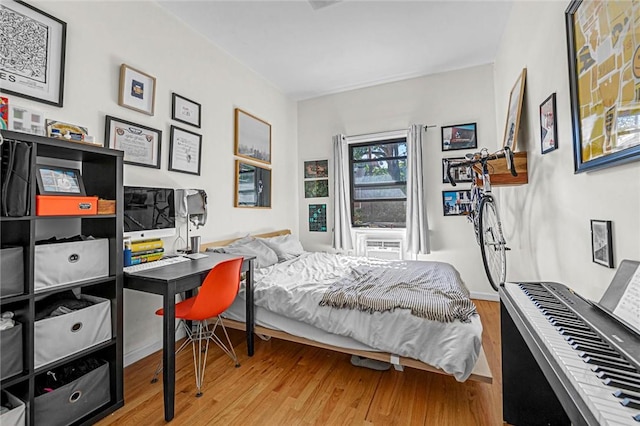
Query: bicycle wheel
<point x="492" y="244"/>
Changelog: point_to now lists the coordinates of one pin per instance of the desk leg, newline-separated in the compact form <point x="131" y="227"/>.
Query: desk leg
<point x="249" y="308"/>
<point x="168" y="354"/>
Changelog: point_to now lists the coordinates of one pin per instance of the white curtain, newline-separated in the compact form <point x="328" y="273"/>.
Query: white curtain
<point x="341" y="208"/>
<point x="417" y="228"/>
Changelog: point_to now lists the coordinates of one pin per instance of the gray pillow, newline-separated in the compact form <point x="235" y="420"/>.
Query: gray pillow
<point x="287" y="247"/>
<point x="265" y="256"/>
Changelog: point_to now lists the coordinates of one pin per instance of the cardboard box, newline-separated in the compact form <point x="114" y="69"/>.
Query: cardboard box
<point x="63" y="205"/>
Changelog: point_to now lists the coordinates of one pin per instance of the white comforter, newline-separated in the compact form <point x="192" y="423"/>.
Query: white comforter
<point x="295" y="288"/>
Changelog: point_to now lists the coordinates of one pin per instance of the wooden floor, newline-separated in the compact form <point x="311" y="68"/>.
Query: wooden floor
<point x="287" y="383"/>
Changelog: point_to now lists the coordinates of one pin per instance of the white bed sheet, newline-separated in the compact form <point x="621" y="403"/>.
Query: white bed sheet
<point x="293" y="290"/>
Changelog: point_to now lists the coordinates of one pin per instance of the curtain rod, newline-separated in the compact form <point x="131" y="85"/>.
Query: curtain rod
<point x="387" y="131"/>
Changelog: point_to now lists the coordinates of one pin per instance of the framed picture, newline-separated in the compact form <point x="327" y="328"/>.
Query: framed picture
<point x="513" y="113"/>
<point x="605" y="107"/>
<point x="185" y="110"/>
<point x="317" y="218"/>
<point x="253" y="137"/>
<point x="4" y="113"/>
<point x="54" y="180"/>
<point x="459" y="136"/>
<point x="26" y="120"/>
<point x="601" y="242"/>
<point x="185" y="151"/>
<point x="460" y="174"/>
<point x="253" y="185"/>
<point x="316" y="169"/>
<point x="32" y="63"/>
<point x="316" y="188"/>
<point x="58" y="129"/>
<point x="456" y="203"/>
<point x="137" y="90"/>
<point x="141" y="144"/>
<point x="548" y="130"/>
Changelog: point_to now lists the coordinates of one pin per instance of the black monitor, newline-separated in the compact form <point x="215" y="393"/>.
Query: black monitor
<point x="149" y="212"/>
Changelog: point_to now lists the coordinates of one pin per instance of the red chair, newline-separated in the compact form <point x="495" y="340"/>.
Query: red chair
<point x="217" y="292"/>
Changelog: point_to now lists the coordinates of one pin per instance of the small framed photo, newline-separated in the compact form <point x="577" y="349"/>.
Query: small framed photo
<point x="54" y="180"/>
<point x="141" y="144"/>
<point x="137" y="90"/>
<point x="185" y="110"/>
<point x="548" y="130"/>
<point x="253" y="137"/>
<point x="185" y="151"/>
<point x="316" y="188"/>
<point x="460" y="174"/>
<point x="459" y="136"/>
<point x="456" y="203"/>
<point x="26" y="120"/>
<point x="253" y="185"/>
<point x="602" y="242"/>
<point x="316" y="169"/>
<point x="58" y="129"/>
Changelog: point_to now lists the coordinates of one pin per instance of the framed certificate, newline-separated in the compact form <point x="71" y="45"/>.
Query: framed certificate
<point x="185" y="151"/>
<point x="141" y="144"/>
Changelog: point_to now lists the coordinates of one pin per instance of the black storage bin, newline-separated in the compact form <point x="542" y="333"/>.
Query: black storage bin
<point x="11" y="271"/>
<point x="11" y="354"/>
<point x="74" y="400"/>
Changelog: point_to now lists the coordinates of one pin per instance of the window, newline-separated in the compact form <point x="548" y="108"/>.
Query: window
<point x="379" y="183"/>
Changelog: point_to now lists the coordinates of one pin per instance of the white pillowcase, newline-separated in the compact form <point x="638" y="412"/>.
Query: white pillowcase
<point x="286" y="247"/>
<point x="265" y="256"/>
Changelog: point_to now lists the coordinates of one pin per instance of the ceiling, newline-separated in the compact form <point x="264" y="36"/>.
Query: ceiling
<point x="310" y="48"/>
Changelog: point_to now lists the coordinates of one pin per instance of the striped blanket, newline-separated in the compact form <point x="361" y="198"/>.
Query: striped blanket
<point x="431" y="290"/>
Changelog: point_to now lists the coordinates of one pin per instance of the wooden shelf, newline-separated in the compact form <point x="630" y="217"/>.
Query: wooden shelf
<point x="501" y="176"/>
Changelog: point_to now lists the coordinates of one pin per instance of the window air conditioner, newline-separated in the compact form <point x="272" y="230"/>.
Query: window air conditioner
<point x="384" y="249"/>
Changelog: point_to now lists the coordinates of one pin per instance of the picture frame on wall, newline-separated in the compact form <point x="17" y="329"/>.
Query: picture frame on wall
<point x="141" y="144"/>
<point x="252" y="185"/>
<point x="606" y="130"/>
<point x="39" y="74"/>
<point x="137" y="90"/>
<point x="185" y="110"/>
<point x="316" y="188"/>
<point x="252" y="137"/>
<point x="516" y="97"/>
<point x="548" y="129"/>
<point x="317" y="218"/>
<point x="185" y="151"/>
<point x="602" y="242"/>
<point x="316" y="169"/>
<point x="456" y="203"/>
<point x="459" y="136"/>
<point x="460" y="174"/>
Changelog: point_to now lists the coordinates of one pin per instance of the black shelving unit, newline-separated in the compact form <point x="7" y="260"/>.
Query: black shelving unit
<point x="102" y="173"/>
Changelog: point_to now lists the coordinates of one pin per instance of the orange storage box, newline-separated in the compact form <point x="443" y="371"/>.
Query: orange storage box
<point x="63" y="205"/>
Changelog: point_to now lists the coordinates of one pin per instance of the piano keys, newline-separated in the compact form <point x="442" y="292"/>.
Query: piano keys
<point x="566" y="360"/>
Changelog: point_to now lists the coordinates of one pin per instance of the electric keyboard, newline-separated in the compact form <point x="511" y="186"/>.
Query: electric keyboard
<point x="589" y="360"/>
<point x="165" y="261"/>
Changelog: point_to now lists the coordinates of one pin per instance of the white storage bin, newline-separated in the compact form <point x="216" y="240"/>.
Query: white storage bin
<point x="58" y="337"/>
<point x="15" y="416"/>
<point x="64" y="263"/>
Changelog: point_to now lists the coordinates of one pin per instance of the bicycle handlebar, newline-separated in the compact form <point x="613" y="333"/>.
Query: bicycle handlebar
<point x="482" y="158"/>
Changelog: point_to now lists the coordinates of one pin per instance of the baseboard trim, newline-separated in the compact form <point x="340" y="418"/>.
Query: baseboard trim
<point x="143" y="352"/>
<point x="493" y="297"/>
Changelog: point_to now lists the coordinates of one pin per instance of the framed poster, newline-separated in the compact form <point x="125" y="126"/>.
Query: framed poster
<point x="316" y="188"/>
<point x="317" y="218"/>
<point x="456" y="203"/>
<point x="253" y="185"/>
<point x="137" y="90"/>
<point x="33" y="52"/>
<point x="185" y="110"/>
<point x="141" y="144"/>
<point x="459" y="136"/>
<point x="548" y="129"/>
<point x="185" y="151"/>
<point x="316" y="169"/>
<point x="604" y="82"/>
<point x="460" y="174"/>
<point x="601" y="243"/>
<point x="252" y="137"/>
<point x="513" y="113"/>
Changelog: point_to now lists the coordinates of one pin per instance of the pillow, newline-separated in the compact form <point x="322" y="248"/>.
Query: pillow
<point x="264" y="255"/>
<point x="286" y="247"/>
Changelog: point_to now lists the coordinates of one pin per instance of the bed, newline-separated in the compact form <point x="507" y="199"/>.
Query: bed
<point x="306" y="297"/>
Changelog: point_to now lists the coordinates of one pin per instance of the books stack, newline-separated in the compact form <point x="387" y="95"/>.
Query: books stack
<point x="146" y="251"/>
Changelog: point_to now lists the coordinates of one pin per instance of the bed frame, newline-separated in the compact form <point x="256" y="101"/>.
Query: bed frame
<point x="481" y="372"/>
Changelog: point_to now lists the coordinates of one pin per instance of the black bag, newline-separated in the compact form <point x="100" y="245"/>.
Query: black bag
<point x="16" y="178"/>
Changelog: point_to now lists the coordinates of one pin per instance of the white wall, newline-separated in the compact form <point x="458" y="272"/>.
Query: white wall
<point x="450" y="98"/>
<point x="103" y="35"/>
<point x="548" y="221"/>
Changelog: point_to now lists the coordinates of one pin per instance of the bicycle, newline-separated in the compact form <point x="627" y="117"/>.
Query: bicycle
<point x="484" y="214"/>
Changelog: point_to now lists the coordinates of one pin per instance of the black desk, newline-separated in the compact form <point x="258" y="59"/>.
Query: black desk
<point x="168" y="281"/>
